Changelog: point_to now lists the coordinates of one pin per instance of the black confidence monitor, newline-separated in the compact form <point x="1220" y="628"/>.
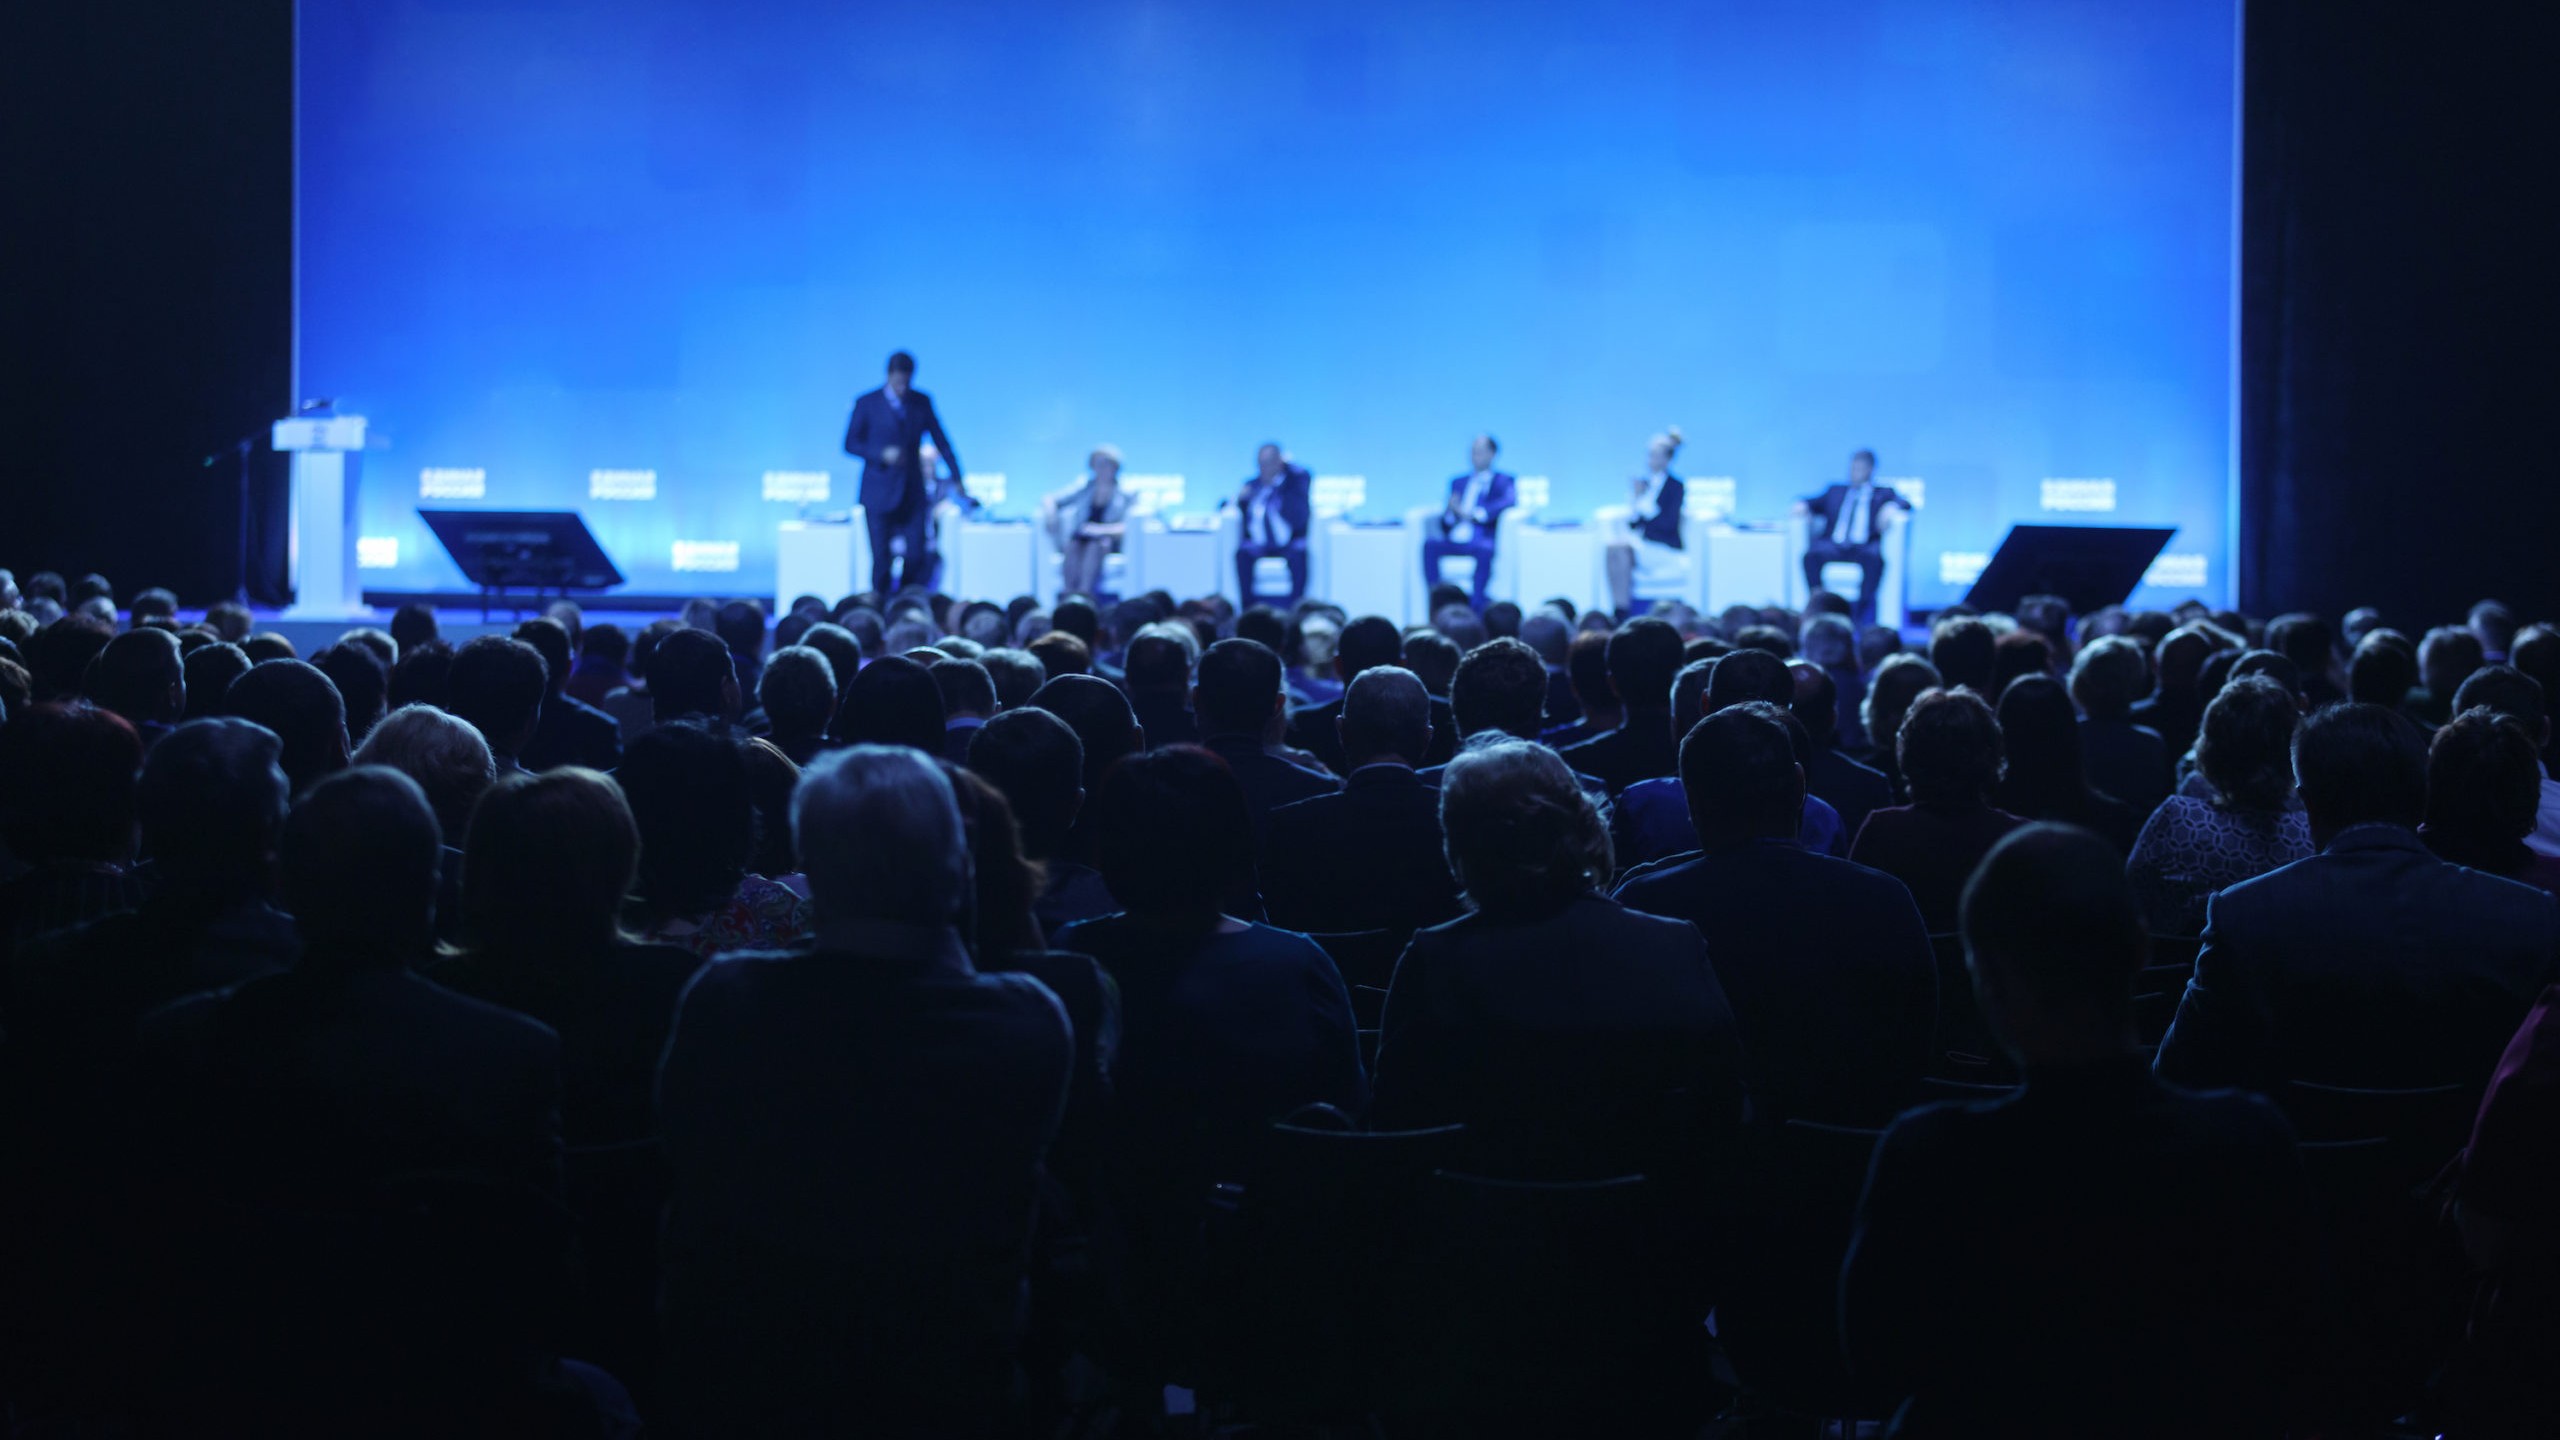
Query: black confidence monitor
<point x="523" y="549"/>
<point x="2091" y="566"/>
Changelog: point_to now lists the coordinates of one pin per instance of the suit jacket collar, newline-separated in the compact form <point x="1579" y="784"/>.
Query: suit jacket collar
<point x="2377" y="835"/>
<point x="1383" y="775"/>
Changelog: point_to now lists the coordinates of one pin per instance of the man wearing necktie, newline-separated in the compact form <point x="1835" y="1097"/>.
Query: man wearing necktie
<point x="1278" y="510"/>
<point x="1846" y="522"/>
<point x="887" y="433"/>
<point x="1465" y="525"/>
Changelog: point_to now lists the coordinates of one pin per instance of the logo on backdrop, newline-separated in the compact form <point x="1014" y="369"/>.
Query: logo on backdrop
<point x="804" y="487"/>
<point x="2176" y="572"/>
<point x="1961" y="567"/>
<point x="707" y="556"/>
<point x="377" y="552"/>
<point x="2089" y="497"/>
<point x="622" y="484"/>
<point x="448" y="482"/>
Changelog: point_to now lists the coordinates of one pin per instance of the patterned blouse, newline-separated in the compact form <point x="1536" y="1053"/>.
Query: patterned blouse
<point x="762" y="915"/>
<point x="2189" y="849"/>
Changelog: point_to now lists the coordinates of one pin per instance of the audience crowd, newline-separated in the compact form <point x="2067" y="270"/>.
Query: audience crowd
<point x="918" y="1017"/>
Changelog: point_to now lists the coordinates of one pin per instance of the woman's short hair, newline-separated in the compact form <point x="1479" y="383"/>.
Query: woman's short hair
<point x="550" y="861"/>
<point x="1173" y="832"/>
<point x="445" y="754"/>
<point x="1891" y="689"/>
<point x="798" y="691"/>
<point x="880" y="837"/>
<point x="1008" y="882"/>
<point x="2108" y="676"/>
<point x="2484" y="777"/>
<point x="1949" y="747"/>
<point x="2245" y="747"/>
<point x="1523" y="836"/>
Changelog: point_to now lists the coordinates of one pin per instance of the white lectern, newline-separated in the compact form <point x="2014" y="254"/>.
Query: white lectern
<point x="322" y="543"/>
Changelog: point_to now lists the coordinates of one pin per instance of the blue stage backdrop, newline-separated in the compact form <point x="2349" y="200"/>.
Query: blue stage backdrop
<point x="629" y="257"/>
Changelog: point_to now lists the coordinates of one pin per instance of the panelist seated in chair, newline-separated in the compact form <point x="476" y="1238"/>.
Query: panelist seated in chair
<point x="1644" y="542"/>
<point x="1467" y="521"/>
<point x="1278" y="511"/>
<point x="1088" y="522"/>
<point x="1846" y="522"/>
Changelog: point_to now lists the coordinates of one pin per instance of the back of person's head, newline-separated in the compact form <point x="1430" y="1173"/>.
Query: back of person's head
<point x="983" y="622"/>
<point x="2357" y="624"/>
<point x="1738" y="767"/>
<point x="1587" y="670"/>
<point x="140" y="676"/>
<point x="92" y="586"/>
<point x="299" y="704"/>
<point x="1643" y="655"/>
<point x="550" y="860"/>
<point x="1157" y="661"/>
<point x="1099" y="712"/>
<point x="1131" y="616"/>
<point x="965" y="686"/>
<point x="1768" y="639"/>
<point x="2484" y="780"/>
<point x="691" y="673"/>
<point x="2245" y="745"/>
<point x="361" y="858"/>
<point x="1896" y="683"/>
<point x="1078" y="618"/>
<point x="1815" y="701"/>
<point x="2305" y="639"/>
<point x="2360" y="765"/>
<point x="2277" y="667"/>
<point x="1965" y="652"/>
<point x="364" y="685"/>
<point x="699" y="612"/>
<point x="1831" y="642"/>
<point x="1037" y="761"/>
<point x="606" y="643"/>
<point x="47" y="585"/>
<point x="644" y="645"/>
<point x="231" y="620"/>
<point x="550" y="640"/>
<point x="1060" y="653"/>
<point x="1949" y="749"/>
<point x="412" y="625"/>
<point x="892" y="701"/>
<point x="269" y="645"/>
<point x="58" y="655"/>
<point x="1500" y="685"/>
<point x="375" y="641"/>
<point x="211" y="804"/>
<point x="1433" y="658"/>
<point x="798" y="692"/>
<point x="1876" y="643"/>
<point x="2494" y="623"/>
<point x="1459" y="622"/>
<point x="2053" y="935"/>
<point x="443" y="753"/>
<point x="67" y="774"/>
<point x="2537" y="653"/>
<point x="790" y="628"/>
<point x="688" y="790"/>
<point x="497" y="683"/>
<point x="1172" y="831"/>
<point x="1369" y="640"/>
<point x="2511" y="692"/>
<point x="1749" y="675"/>
<point x="2019" y="652"/>
<point x="959" y="647"/>
<point x="209" y="671"/>
<point x="2384" y="669"/>
<point x="1503" y="617"/>
<point x="2108" y="676"/>
<point x="1265" y="624"/>
<point x="422" y="676"/>
<point x="1239" y="688"/>
<point x="2040" y="740"/>
<point x="1523" y="838"/>
<point x="1005" y="879"/>
<point x="1018" y="675"/>
<point x="2446" y="658"/>
<point x="842" y="649"/>
<point x="1549" y="635"/>
<point x="1385" y="714"/>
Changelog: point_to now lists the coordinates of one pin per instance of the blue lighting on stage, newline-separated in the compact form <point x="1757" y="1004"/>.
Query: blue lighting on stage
<point x="636" y="258"/>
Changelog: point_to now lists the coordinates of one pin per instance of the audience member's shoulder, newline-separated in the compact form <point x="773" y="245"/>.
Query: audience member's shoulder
<point x="1656" y="879"/>
<point x="2241" y="1118"/>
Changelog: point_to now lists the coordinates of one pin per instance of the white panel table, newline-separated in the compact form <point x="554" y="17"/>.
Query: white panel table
<point x="815" y="557"/>
<point x="1180" y="556"/>
<point x="1555" y="560"/>
<point x="990" y="559"/>
<point x="1745" y="567"/>
<point x="1366" y="569"/>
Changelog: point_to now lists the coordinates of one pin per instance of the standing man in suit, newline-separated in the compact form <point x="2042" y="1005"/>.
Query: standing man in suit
<point x="1278" y="511"/>
<point x="1847" y="522"/>
<point x="1466" y="522"/>
<point x="887" y="433"/>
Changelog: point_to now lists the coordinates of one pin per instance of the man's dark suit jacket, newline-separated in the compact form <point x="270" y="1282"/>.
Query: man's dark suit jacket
<point x="612" y="1012"/>
<point x="1500" y="494"/>
<point x="1824" y="510"/>
<point x="571" y="732"/>
<point x="1269" y="782"/>
<point x="1167" y="719"/>
<point x="1932" y="852"/>
<point x="1826" y="965"/>
<point x="1563" y="706"/>
<point x="2371" y="964"/>
<point x="2095" y="1253"/>
<point x="893" y="489"/>
<point x="77" y="990"/>
<point x="1367" y="858"/>
<point x="2174" y="717"/>
<point x="1295" y="500"/>
<point x="1642" y="749"/>
<point x="855" y="1139"/>
<point x="1539" y="1034"/>
<point x="1316" y="729"/>
<point x="2128" y="762"/>
<point x="1855" y="790"/>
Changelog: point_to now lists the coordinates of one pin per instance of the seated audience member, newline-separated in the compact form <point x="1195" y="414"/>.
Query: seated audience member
<point x="2503" y="1384"/>
<point x="1309" y="644"/>
<point x="207" y="672"/>
<point x="2041" y="735"/>
<point x="58" y="655"/>
<point x="1370" y="856"/>
<point x="691" y="676"/>
<point x="1897" y="681"/>
<point x="740" y="625"/>
<point x="363" y="681"/>
<point x="2371" y="964"/>
<point x="2123" y="759"/>
<point x="1826" y="964"/>
<point x="2484" y="785"/>
<point x="1650" y="821"/>
<point x="570" y="731"/>
<point x="1499" y="691"/>
<point x="1367" y="641"/>
<point x="1966" y="653"/>
<point x="691" y="796"/>
<point x="1551" y="637"/>
<point x="2019" y="652"/>
<point x="2514" y="691"/>
<point x="1830" y="645"/>
<point x="420" y="677"/>
<point x="2446" y="658"/>
<point x="268" y="645"/>
<point x="2493" y="623"/>
<point x="1156" y="671"/>
<point x="1060" y="653"/>
<point x="1037" y="762"/>
<point x="1242" y="710"/>
<point x="892" y="701"/>
<point x="301" y="1111"/>
<point x="2383" y="670"/>
<point x="604" y="657"/>
<point x="772" y="777"/>
<point x="1018" y="675"/>
<point x="1951" y="757"/>
<point x="2095" y="1253"/>
<point x="798" y="696"/>
<point x="856" y="1137"/>
<point x="453" y="765"/>
<point x="1597" y="711"/>
<point x="299" y="704"/>
<point x="1643" y="658"/>
<point x="1854" y="790"/>
<point x="2312" y="646"/>
<point x="551" y="859"/>
<point x="141" y="676"/>
<point x="968" y="697"/>
<point x="1432" y="657"/>
<point x="2176" y="707"/>
<point x="1550" y="1018"/>
<point x="630" y="704"/>
<point x="1107" y="729"/>
<point x="412" y="625"/>
<point x="497" y="685"/>
<point x="2251" y="822"/>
